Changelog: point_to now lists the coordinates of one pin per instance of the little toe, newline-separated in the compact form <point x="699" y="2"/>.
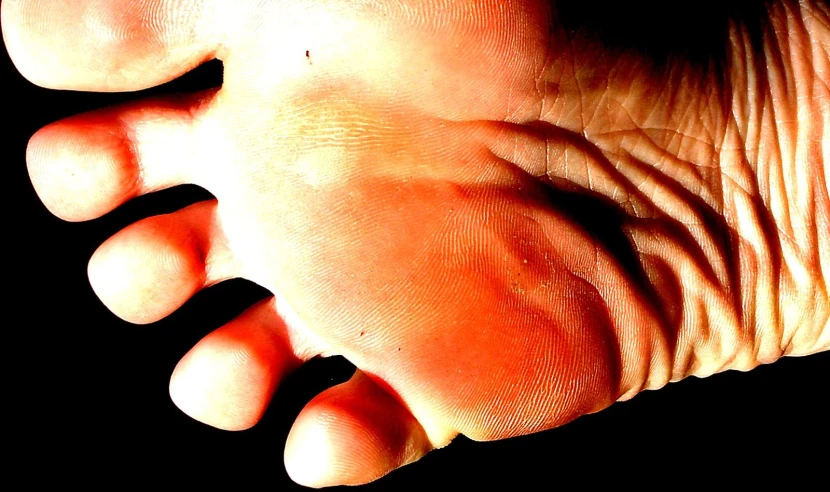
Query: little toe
<point x="115" y="45"/>
<point x="152" y="267"/>
<point x="229" y="377"/>
<point x="84" y="166"/>
<point x="352" y="434"/>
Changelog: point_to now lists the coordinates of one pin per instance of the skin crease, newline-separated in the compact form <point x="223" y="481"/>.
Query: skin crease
<point x="427" y="201"/>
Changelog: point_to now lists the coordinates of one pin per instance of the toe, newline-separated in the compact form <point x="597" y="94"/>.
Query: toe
<point x="152" y="267"/>
<point x="228" y="378"/>
<point x="108" y="46"/>
<point x="84" y="166"/>
<point x="352" y="434"/>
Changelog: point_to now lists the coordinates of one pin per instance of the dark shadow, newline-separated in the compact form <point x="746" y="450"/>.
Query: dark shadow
<point x="697" y="31"/>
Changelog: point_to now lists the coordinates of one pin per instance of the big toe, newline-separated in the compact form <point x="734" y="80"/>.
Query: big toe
<point x="108" y="46"/>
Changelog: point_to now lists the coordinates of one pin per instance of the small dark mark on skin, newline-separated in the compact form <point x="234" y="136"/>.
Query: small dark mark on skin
<point x="362" y="332"/>
<point x="308" y="56"/>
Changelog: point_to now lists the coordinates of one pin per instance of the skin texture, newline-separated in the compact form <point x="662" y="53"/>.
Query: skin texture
<point x="573" y="316"/>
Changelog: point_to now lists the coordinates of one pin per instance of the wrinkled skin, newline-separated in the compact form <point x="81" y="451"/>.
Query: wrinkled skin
<point x="503" y="217"/>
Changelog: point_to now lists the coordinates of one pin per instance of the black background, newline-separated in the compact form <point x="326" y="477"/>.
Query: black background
<point x="88" y="392"/>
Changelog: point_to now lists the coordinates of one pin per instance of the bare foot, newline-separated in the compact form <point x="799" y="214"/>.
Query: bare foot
<point x="502" y="222"/>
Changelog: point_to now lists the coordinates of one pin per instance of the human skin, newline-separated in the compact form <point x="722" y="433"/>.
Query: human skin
<point x="760" y="347"/>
